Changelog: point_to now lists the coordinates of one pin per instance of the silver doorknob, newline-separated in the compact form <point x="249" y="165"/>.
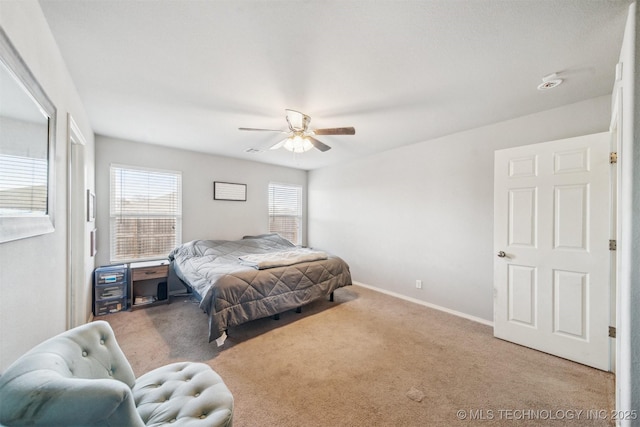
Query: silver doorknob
<point x="501" y="254"/>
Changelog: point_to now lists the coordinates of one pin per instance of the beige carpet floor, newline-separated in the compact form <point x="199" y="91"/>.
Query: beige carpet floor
<point x="369" y="359"/>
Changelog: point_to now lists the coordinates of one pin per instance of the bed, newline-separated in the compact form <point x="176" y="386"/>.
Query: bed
<point x="257" y="276"/>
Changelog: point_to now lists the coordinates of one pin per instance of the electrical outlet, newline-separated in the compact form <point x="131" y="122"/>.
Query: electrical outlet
<point x="418" y="284"/>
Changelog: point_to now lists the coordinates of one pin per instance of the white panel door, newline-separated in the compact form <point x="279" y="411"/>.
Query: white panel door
<point x="551" y="228"/>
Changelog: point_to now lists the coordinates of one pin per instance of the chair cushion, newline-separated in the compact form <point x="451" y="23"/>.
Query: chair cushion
<point x="184" y="393"/>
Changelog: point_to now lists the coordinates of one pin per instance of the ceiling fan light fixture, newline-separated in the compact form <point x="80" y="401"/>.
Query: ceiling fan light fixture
<point x="297" y="144"/>
<point x="301" y="138"/>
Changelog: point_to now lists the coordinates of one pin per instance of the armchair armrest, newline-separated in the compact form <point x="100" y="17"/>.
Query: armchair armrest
<point x="44" y="398"/>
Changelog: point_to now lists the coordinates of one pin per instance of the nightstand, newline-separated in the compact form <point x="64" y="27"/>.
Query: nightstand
<point x="149" y="283"/>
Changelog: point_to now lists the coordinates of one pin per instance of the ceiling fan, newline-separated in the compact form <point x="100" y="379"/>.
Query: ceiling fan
<point x="301" y="138"/>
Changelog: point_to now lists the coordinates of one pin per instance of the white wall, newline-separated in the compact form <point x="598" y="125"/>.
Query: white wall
<point x="425" y="211"/>
<point x="33" y="289"/>
<point x="202" y="217"/>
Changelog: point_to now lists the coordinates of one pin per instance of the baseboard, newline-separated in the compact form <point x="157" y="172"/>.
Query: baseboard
<point x="427" y="304"/>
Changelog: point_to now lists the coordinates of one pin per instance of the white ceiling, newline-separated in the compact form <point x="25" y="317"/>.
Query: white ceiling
<point x="189" y="73"/>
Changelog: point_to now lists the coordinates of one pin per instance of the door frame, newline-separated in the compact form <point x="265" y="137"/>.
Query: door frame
<point x="76" y="230"/>
<point x="615" y="131"/>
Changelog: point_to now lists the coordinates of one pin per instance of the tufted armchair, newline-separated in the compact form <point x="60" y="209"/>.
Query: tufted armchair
<point x="82" y="378"/>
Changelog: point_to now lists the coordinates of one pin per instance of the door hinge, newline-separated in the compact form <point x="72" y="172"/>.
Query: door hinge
<point x="613" y="157"/>
<point x="612" y="331"/>
<point x="613" y="245"/>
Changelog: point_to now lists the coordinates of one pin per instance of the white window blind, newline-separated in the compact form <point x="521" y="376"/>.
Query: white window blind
<point x="23" y="185"/>
<point x="285" y="211"/>
<point x="146" y="213"/>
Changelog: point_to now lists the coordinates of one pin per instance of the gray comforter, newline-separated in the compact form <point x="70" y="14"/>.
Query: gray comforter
<point x="233" y="293"/>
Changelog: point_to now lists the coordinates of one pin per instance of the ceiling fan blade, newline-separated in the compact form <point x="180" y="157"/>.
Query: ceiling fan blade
<point x="319" y="145"/>
<point x="335" y="131"/>
<point x="297" y="121"/>
<point x="266" y="130"/>
<point x="277" y="145"/>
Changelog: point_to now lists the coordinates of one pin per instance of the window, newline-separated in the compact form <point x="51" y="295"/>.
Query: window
<point x="285" y="211"/>
<point x="146" y="213"/>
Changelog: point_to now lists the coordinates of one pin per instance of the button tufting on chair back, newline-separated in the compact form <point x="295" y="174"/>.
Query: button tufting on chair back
<point x="82" y="378"/>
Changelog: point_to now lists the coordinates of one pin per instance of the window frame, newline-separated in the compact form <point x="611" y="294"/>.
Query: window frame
<point x="113" y="214"/>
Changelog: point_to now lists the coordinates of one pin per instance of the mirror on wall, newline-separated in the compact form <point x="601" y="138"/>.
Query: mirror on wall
<point x="27" y="141"/>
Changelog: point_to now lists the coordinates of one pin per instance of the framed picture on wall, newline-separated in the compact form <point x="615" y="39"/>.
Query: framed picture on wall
<point x="91" y="206"/>
<point x="229" y="191"/>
